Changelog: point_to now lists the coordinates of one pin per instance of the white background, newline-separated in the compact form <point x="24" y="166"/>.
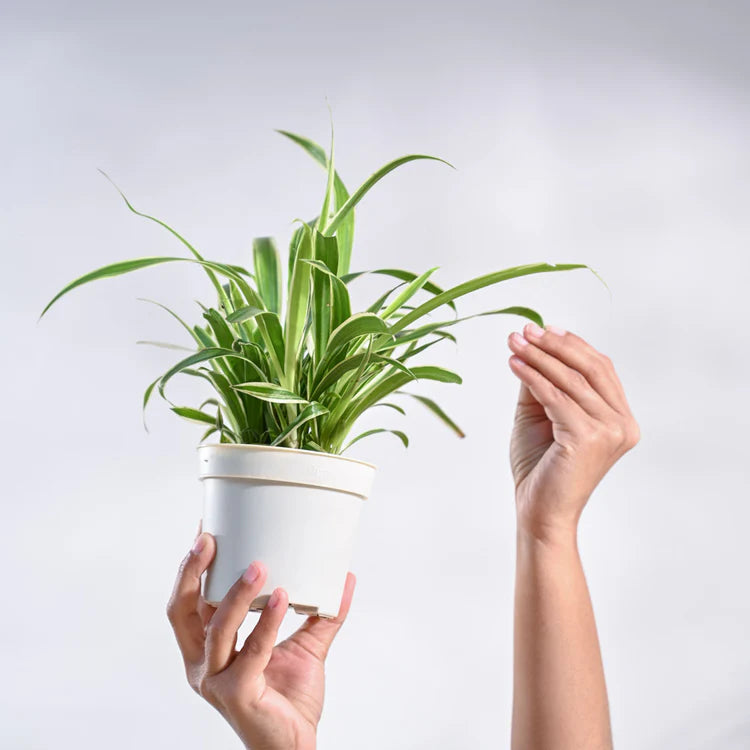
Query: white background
<point x="613" y="136"/>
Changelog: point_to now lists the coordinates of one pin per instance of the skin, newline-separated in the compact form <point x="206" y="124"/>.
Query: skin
<point x="572" y="423"/>
<point x="272" y="696"/>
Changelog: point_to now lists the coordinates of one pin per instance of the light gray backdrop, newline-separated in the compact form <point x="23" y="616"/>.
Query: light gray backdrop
<point x="610" y="134"/>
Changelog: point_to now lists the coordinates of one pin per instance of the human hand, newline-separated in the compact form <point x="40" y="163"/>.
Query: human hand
<point x="271" y="696"/>
<point x="572" y="423"/>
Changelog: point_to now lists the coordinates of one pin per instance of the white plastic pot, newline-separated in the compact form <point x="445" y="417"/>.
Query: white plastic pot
<point x="295" y="511"/>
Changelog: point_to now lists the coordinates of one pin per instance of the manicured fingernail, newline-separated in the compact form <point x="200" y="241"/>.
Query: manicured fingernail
<point x="251" y="574"/>
<point x="518" y="339"/>
<point x="532" y="329"/>
<point x="274" y="599"/>
<point x="517" y="361"/>
<point x="556" y="330"/>
<point x="199" y="544"/>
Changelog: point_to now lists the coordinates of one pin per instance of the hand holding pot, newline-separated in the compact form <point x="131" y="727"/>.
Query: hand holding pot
<point x="572" y="424"/>
<point x="272" y="696"/>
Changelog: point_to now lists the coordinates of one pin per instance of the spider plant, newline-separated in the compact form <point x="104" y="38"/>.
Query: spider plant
<point x="290" y="363"/>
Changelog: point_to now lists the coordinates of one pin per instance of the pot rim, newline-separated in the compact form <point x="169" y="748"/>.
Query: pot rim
<point x="284" y="449"/>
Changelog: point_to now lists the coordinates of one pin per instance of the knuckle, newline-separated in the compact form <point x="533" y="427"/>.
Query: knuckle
<point x="632" y="433"/>
<point x="616" y="433"/>
<point x="254" y="647"/>
<point x="597" y="369"/>
<point x="171" y="610"/>
<point x="552" y="393"/>
<point x="591" y="433"/>
<point x="185" y="565"/>
<point x="194" y="680"/>
<point x="577" y="380"/>
<point x="204" y="687"/>
<point x="214" y="629"/>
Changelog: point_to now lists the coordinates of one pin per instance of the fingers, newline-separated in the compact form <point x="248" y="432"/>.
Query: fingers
<point x="579" y="355"/>
<point x="317" y="633"/>
<point x="221" y="633"/>
<point x="258" y="647"/>
<point x="182" y="609"/>
<point x="571" y="380"/>
<point x="559" y="407"/>
<point x="205" y="610"/>
<point x="566" y="378"/>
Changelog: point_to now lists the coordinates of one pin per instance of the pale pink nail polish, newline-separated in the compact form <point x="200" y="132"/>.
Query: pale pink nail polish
<point x="251" y="574"/>
<point x="274" y="599"/>
<point x="533" y="330"/>
<point x="518" y="339"/>
<point x="557" y="331"/>
<point x="199" y="544"/>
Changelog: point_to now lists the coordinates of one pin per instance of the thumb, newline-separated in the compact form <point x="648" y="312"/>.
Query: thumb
<point x="317" y="633"/>
<point x="525" y="397"/>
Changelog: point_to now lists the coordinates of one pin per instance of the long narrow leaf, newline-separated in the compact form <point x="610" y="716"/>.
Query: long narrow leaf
<point x="242" y="314"/>
<point x="146" y="397"/>
<point x="270" y="326"/>
<point x="235" y="412"/>
<point x="345" y="232"/>
<point x="360" y="193"/>
<point x="196" y="254"/>
<point x="389" y="405"/>
<point x="374" y="393"/>
<point x="326" y="254"/>
<point x="297" y="306"/>
<point x="398" y="433"/>
<point x="478" y="283"/>
<point x="416" y="334"/>
<point x="341" y="307"/>
<point x="360" y="324"/>
<point x="398" y="273"/>
<point x="203" y="355"/>
<point x="405" y="295"/>
<point x="311" y="411"/>
<point x="328" y="201"/>
<point x="268" y="272"/>
<point x="270" y="392"/>
<point x="194" y="415"/>
<point x="437" y="411"/>
<point x="173" y="314"/>
<point x="123" y="267"/>
<point x="166" y="345"/>
<point x="377" y="306"/>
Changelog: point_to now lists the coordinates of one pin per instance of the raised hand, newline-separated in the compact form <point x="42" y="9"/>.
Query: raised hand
<point x="272" y="696"/>
<point x="571" y="424"/>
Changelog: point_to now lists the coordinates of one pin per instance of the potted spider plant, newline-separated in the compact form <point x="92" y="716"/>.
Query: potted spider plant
<point x="292" y="368"/>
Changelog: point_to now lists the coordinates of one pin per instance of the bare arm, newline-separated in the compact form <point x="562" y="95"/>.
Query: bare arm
<point x="572" y="424"/>
<point x="560" y="700"/>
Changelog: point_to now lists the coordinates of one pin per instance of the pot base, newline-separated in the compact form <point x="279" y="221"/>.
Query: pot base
<point x="259" y="603"/>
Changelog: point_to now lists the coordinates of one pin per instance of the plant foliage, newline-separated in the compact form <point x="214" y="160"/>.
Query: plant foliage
<point x="290" y="363"/>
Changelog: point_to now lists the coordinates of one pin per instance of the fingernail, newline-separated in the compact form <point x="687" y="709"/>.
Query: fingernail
<point x="517" y="361"/>
<point x="199" y="544"/>
<point x="518" y="339"/>
<point x="532" y="329"/>
<point x="275" y="598"/>
<point x="556" y="330"/>
<point x="251" y="574"/>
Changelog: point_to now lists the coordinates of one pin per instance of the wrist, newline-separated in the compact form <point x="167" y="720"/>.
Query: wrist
<point x="552" y="533"/>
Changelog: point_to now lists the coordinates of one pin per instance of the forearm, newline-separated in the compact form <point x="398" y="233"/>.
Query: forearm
<point x="560" y="697"/>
